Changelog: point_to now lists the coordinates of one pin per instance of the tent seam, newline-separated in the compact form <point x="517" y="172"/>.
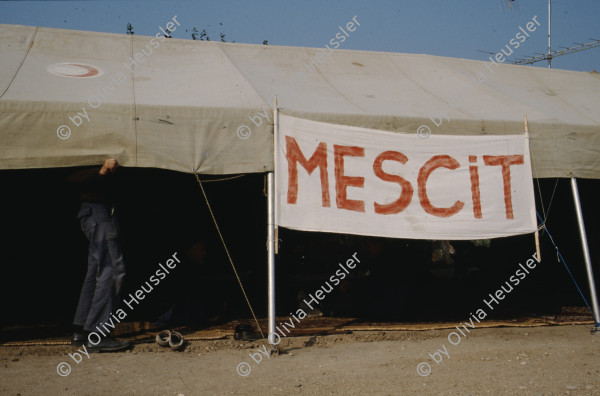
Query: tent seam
<point x="244" y="77"/>
<point x="334" y="88"/>
<point x="387" y="57"/>
<point x="559" y="97"/>
<point x="22" y="62"/>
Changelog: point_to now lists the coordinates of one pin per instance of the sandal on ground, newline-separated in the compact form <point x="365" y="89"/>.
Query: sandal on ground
<point x="163" y="338"/>
<point x="176" y="341"/>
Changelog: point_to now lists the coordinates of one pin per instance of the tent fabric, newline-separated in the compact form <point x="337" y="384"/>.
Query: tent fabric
<point x="182" y="105"/>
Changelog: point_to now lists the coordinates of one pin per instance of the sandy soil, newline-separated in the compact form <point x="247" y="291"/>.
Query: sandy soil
<point x="557" y="360"/>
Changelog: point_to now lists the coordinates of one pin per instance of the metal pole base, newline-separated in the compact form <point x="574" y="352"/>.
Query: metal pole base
<point x="596" y="330"/>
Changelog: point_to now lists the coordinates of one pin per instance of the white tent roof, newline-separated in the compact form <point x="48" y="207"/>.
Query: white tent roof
<point x="180" y="108"/>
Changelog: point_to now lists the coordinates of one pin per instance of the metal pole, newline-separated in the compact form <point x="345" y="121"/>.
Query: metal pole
<point x="271" y="251"/>
<point x="586" y="254"/>
<point x="272" y="228"/>
<point x="549" y="56"/>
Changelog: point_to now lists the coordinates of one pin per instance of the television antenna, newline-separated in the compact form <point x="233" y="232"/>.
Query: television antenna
<point x="553" y="54"/>
<point x="550" y="54"/>
<point x="510" y="6"/>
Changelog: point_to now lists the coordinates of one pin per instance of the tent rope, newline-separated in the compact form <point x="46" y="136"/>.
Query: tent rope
<point x="542" y="226"/>
<point x="541" y="198"/>
<point x="224" y="179"/>
<point x="551" y="198"/>
<point x="227" y="251"/>
<point x="537" y="179"/>
<point x="568" y="270"/>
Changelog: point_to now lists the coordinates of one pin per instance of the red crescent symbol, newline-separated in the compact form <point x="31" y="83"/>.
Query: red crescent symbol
<point x="91" y="71"/>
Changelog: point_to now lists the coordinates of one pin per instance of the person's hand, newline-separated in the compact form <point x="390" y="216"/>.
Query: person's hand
<point x="110" y="166"/>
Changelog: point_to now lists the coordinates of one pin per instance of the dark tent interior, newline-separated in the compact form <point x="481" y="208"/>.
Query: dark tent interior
<point x="44" y="254"/>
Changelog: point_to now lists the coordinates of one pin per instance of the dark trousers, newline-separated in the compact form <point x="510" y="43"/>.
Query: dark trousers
<point x="106" y="269"/>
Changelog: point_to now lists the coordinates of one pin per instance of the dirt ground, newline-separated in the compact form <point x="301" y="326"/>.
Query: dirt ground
<point x="549" y="360"/>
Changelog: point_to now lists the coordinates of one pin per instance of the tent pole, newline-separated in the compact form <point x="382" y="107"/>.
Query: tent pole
<point x="272" y="238"/>
<point x="271" y="251"/>
<point x="586" y="254"/>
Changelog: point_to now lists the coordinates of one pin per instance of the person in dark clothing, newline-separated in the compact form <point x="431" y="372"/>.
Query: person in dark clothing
<point x="106" y="268"/>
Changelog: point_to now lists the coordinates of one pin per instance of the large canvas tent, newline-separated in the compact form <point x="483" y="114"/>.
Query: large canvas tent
<point x="180" y="104"/>
<point x="70" y="98"/>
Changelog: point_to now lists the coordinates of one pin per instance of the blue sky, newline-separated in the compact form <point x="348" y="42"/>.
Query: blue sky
<point x="437" y="27"/>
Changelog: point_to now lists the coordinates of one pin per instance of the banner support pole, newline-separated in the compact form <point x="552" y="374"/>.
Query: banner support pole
<point x="537" y="232"/>
<point x="586" y="255"/>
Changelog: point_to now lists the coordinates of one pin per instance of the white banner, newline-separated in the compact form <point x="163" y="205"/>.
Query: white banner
<point x="343" y="179"/>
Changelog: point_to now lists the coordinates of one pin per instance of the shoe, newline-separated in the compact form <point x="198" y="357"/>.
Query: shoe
<point x="107" y="344"/>
<point x="163" y="338"/>
<point x="176" y="341"/>
<point x="245" y="332"/>
<point x="78" y="338"/>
